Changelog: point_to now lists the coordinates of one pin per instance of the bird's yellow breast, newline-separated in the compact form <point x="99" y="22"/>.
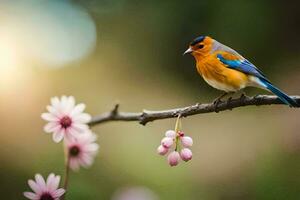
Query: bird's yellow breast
<point x="216" y="74"/>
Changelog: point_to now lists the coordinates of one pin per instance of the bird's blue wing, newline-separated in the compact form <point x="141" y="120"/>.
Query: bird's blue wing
<point x="242" y="65"/>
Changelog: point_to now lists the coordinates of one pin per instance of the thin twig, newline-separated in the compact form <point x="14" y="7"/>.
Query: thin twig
<point x="148" y="116"/>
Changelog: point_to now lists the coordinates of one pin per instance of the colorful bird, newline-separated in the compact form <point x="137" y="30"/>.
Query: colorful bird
<point x="225" y="69"/>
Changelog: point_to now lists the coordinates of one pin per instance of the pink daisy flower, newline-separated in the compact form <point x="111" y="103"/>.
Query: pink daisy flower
<point x="44" y="190"/>
<point x="65" y="119"/>
<point x="81" y="150"/>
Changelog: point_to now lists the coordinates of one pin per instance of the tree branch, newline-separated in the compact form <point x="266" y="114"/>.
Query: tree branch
<point x="148" y="116"/>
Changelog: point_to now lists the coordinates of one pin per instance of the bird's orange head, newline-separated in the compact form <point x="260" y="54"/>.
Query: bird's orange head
<point x="200" y="47"/>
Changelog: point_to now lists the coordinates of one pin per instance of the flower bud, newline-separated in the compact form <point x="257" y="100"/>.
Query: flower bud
<point x="162" y="150"/>
<point x="186" y="141"/>
<point x="186" y="154"/>
<point x="180" y="133"/>
<point x="170" y="134"/>
<point x="173" y="158"/>
<point x="167" y="142"/>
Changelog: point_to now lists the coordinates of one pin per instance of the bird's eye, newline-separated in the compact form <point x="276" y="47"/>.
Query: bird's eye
<point x="200" y="46"/>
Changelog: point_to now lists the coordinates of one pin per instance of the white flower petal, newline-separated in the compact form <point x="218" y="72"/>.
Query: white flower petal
<point x="33" y="185"/>
<point x="49" y="117"/>
<point x="40" y="181"/>
<point x="52" y="182"/>
<point x="58" y="193"/>
<point x="64" y="99"/>
<point x="92" y="147"/>
<point x="68" y="106"/>
<point x="71" y="101"/>
<point x="86" y="161"/>
<point x="81" y="128"/>
<point x="63" y="102"/>
<point x="71" y="134"/>
<point x="51" y="109"/>
<point x="54" y="111"/>
<point x="58" y="136"/>
<point x="52" y="127"/>
<point x="50" y="178"/>
<point x="82" y="118"/>
<point x="78" y="109"/>
<point x="55" y="102"/>
<point x="30" y="195"/>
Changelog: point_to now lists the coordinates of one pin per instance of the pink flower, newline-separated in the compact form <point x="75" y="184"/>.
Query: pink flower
<point x="44" y="190"/>
<point x="162" y="150"/>
<point x="179" y="141"/>
<point x="81" y="150"/>
<point x="167" y="142"/>
<point x="186" y="141"/>
<point x="65" y="119"/>
<point x="180" y="133"/>
<point x="186" y="154"/>
<point x="170" y="134"/>
<point x="173" y="158"/>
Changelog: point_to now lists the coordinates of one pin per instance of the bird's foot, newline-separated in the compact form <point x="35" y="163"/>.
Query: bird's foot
<point x="216" y="102"/>
<point x="243" y="98"/>
<point x="218" y="99"/>
<point x="228" y="103"/>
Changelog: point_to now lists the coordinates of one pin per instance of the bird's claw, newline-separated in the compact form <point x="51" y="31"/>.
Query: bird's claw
<point x="216" y="102"/>
<point x="243" y="98"/>
<point x="228" y="103"/>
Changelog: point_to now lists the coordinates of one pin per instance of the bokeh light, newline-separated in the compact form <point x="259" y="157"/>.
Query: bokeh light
<point x="53" y="33"/>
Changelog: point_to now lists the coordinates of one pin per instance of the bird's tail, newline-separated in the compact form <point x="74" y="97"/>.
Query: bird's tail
<point x="281" y="95"/>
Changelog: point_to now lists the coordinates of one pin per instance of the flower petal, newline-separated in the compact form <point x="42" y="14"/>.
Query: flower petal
<point x="54" y="111"/>
<point x="51" y="127"/>
<point x="40" y="181"/>
<point x="82" y="118"/>
<point x="55" y="101"/>
<point x="71" y="101"/>
<point x="58" y="193"/>
<point x="30" y="195"/>
<point x="68" y="105"/>
<point x="80" y="127"/>
<point x="33" y="185"/>
<point x="50" y="178"/>
<point x="74" y="164"/>
<point x="58" y="136"/>
<point x="63" y="103"/>
<point x="49" y="117"/>
<point x="92" y="147"/>
<point x="86" y="160"/>
<point x="52" y="182"/>
<point x="71" y="134"/>
<point x="78" y="109"/>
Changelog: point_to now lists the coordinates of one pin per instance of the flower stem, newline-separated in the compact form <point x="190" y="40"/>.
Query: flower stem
<point x="178" y="124"/>
<point x="177" y="129"/>
<point x="67" y="173"/>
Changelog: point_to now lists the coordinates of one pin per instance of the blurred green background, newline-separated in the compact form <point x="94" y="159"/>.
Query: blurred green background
<point x="130" y="51"/>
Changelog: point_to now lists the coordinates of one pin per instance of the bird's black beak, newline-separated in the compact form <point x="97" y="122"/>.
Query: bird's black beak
<point x="188" y="51"/>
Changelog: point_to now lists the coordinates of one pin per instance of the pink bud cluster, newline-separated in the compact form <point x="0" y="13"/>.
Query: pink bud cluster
<point x="173" y="138"/>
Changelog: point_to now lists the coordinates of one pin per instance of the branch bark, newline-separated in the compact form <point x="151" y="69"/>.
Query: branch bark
<point x="147" y="116"/>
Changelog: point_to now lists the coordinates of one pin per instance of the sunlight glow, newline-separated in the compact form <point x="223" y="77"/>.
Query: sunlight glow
<point x="48" y="33"/>
<point x="8" y="52"/>
<point x="51" y="33"/>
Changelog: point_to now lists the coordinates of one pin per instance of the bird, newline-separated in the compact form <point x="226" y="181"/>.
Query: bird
<point x="225" y="69"/>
